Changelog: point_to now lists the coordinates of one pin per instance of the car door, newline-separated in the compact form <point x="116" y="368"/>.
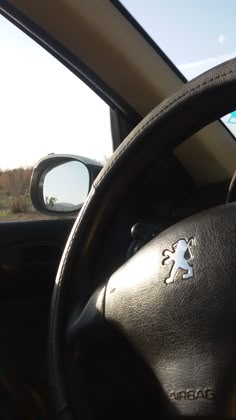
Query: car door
<point x="45" y="108"/>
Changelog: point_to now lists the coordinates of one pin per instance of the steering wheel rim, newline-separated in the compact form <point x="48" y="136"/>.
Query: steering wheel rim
<point x="195" y="105"/>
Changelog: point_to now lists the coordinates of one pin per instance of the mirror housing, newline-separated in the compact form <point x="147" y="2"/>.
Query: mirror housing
<point x="60" y="183"/>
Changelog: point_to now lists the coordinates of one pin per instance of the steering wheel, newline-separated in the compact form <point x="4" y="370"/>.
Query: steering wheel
<point x="157" y="337"/>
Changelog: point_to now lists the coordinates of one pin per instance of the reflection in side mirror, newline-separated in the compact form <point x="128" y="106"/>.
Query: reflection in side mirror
<point x="60" y="183"/>
<point x="66" y="186"/>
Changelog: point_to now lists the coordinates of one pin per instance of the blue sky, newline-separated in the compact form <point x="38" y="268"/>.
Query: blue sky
<point x="188" y="30"/>
<point x="195" y="34"/>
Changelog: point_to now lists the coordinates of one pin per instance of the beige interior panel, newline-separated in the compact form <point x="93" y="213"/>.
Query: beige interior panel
<point x="102" y="38"/>
<point x="96" y="32"/>
<point x="209" y="156"/>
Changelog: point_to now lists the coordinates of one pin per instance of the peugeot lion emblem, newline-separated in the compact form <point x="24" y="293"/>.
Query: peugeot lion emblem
<point x="181" y="257"/>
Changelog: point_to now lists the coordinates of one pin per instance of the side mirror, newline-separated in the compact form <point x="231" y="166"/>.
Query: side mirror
<point x="60" y="183"/>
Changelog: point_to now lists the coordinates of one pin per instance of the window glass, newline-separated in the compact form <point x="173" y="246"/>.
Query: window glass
<point x="195" y="35"/>
<point x="44" y="109"/>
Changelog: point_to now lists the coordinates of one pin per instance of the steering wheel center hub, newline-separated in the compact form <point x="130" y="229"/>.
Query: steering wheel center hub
<point x="175" y="301"/>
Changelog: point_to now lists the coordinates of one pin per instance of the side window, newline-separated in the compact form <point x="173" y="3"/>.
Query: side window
<point x="44" y="109"/>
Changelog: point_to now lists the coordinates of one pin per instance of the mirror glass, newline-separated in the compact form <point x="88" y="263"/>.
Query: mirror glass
<point x="66" y="186"/>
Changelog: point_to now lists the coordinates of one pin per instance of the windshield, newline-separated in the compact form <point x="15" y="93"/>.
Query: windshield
<point x="194" y="35"/>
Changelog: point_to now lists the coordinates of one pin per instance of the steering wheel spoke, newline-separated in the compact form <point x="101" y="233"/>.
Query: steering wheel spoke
<point x="81" y="321"/>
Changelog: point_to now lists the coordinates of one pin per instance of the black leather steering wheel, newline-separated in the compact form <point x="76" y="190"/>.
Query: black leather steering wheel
<point x="158" y="337"/>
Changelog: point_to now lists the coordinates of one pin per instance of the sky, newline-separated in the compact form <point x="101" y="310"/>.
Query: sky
<point x="195" y="34"/>
<point x="45" y="108"/>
